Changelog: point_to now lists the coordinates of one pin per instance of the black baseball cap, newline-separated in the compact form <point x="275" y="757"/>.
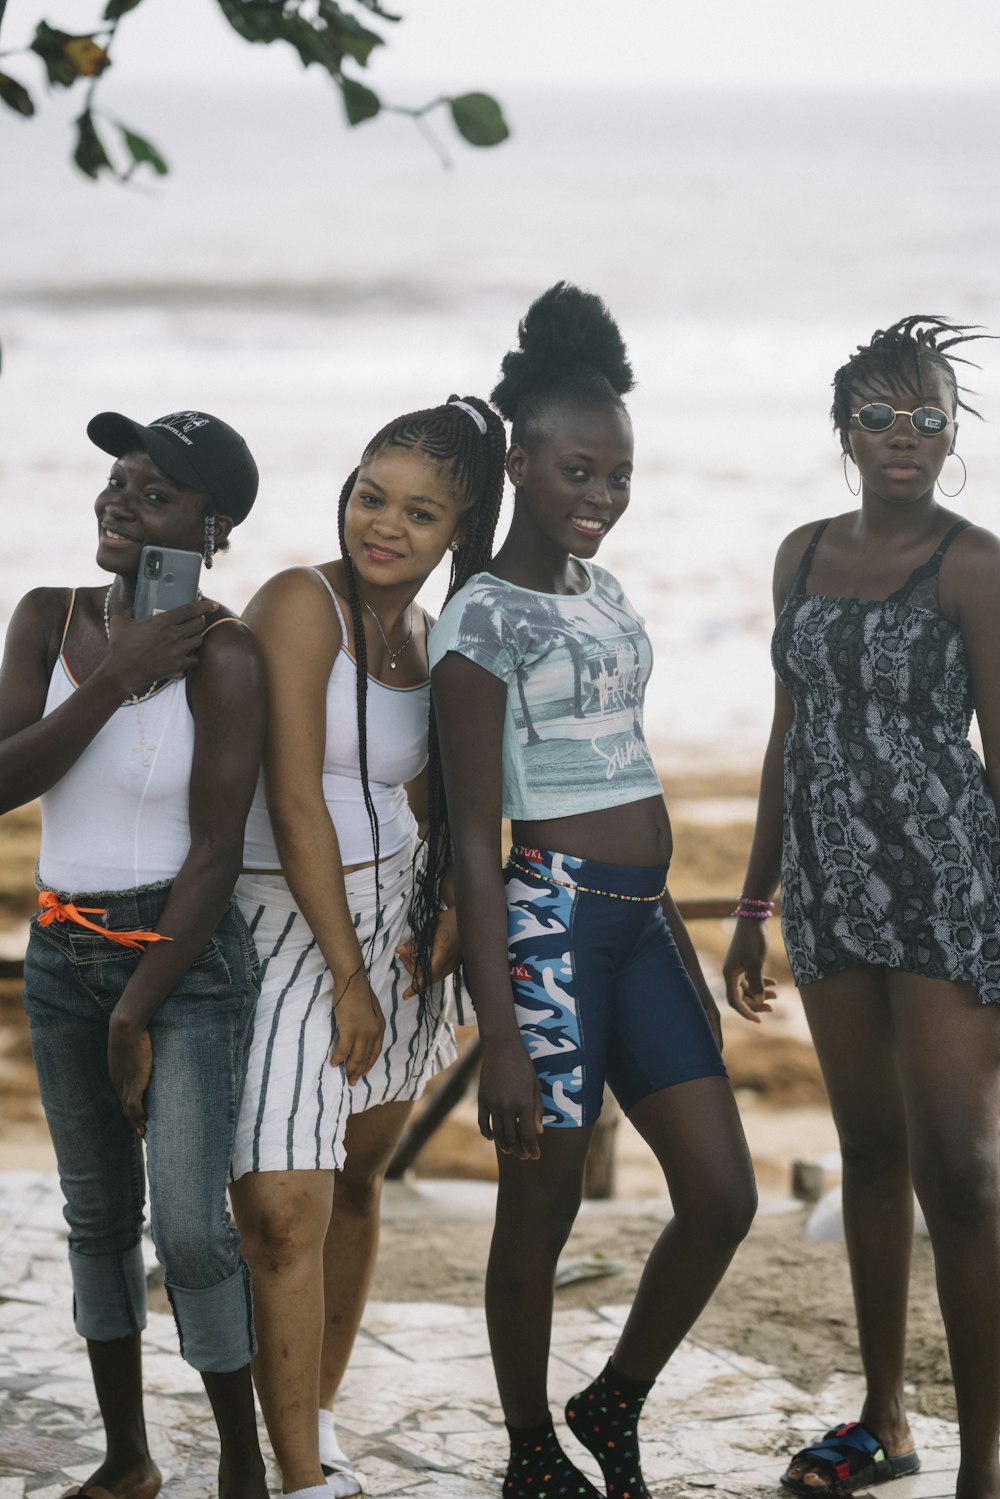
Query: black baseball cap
<point x="191" y="447"/>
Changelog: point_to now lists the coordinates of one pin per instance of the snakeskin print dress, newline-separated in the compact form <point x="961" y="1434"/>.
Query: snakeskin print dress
<point x="891" y="853"/>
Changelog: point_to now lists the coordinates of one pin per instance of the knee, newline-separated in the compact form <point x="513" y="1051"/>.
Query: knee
<point x="526" y="1235"/>
<point x="869" y="1154"/>
<point x="194" y="1255"/>
<point x="722" y="1217"/>
<point x="277" y="1234"/>
<point x="959" y="1189"/>
<point x="359" y="1188"/>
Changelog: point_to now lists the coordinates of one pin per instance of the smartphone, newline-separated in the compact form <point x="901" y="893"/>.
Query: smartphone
<point x="167" y="578"/>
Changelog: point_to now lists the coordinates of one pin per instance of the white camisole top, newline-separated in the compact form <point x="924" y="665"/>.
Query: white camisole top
<point x="397" y="719"/>
<point x="119" y="816"/>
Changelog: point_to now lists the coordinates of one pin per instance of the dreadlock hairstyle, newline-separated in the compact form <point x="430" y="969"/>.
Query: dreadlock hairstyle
<point x="569" y="349"/>
<point x="898" y="357"/>
<point x="450" y="436"/>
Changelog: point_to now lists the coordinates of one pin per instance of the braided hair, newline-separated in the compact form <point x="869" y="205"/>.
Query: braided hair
<point x="452" y="437"/>
<point x="569" y="349"/>
<point x="897" y="357"/>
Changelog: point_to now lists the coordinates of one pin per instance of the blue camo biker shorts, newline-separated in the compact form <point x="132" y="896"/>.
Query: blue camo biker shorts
<point x="600" y="990"/>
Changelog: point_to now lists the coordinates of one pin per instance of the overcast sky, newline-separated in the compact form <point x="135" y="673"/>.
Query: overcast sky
<point x="497" y="44"/>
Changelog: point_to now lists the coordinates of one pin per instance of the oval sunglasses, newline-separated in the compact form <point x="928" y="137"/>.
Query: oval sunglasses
<point x="878" y="416"/>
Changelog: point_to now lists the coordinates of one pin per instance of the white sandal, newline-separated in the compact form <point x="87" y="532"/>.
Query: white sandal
<point x="337" y="1464"/>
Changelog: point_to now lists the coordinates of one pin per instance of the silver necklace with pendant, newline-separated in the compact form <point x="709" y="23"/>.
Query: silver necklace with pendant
<point x="393" y="655"/>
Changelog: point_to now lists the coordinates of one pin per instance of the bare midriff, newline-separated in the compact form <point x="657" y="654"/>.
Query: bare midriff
<point x="637" y="833"/>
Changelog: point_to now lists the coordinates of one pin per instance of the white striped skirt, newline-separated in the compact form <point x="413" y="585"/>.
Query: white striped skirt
<point x="295" y="1106"/>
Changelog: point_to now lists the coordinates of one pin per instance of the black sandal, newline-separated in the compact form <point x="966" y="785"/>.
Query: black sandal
<point x="853" y="1458"/>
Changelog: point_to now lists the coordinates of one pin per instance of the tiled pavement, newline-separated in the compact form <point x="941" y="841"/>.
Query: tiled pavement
<point x="419" y="1408"/>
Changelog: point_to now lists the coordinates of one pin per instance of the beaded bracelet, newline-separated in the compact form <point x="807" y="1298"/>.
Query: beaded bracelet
<point x="753" y="910"/>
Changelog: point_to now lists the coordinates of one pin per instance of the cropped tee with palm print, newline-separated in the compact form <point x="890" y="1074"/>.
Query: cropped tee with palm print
<point x="576" y="667"/>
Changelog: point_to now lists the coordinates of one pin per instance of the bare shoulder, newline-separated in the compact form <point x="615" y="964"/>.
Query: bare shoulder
<point x="973" y="552"/>
<point x="792" y="546"/>
<point x="969" y="580"/>
<point x="45" y="606"/>
<point x="227" y="639"/>
<point x="294" y="598"/>
<point x="38" y="621"/>
<point x="788" y="556"/>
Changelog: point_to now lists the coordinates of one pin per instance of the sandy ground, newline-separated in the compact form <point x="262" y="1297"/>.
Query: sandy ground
<point x="786" y="1299"/>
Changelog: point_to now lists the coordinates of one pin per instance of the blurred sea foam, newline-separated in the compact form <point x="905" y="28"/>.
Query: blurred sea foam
<point x="307" y="285"/>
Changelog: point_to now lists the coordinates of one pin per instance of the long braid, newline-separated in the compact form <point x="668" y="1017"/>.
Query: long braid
<point x="361" y="676"/>
<point x="450" y="436"/>
<point x="897" y="356"/>
<point x="484" y="488"/>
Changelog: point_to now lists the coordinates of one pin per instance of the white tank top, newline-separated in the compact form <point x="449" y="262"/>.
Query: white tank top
<point x="397" y="719"/>
<point x="119" y="816"/>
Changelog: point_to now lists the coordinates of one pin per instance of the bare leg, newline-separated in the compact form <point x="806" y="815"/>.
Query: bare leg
<point x="128" y="1470"/>
<point x="852" y="1027"/>
<point x="949" y="1050"/>
<point x="694" y="1131"/>
<point x="241" y="1467"/>
<point x="537" y="1203"/>
<point x="352" y="1238"/>
<point x="283" y="1217"/>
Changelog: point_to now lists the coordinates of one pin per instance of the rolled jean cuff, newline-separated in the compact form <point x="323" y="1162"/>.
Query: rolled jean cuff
<point x="215" y="1325"/>
<point x="109" y="1294"/>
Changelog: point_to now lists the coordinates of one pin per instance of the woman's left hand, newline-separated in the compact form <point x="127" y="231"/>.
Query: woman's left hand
<point x="446" y="955"/>
<point x="130" y="1065"/>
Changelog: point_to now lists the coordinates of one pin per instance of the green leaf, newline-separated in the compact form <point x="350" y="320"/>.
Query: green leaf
<point x="90" y="155"/>
<point x="68" y="56"/>
<point x="377" y="10"/>
<point x="479" y="119"/>
<point x="15" y="95"/>
<point x="319" y="44"/>
<point x="142" y="150"/>
<point x="49" y="44"/>
<point x="254" y="20"/>
<point x="350" y="36"/>
<point x="359" y="102"/>
<point x="116" y="8"/>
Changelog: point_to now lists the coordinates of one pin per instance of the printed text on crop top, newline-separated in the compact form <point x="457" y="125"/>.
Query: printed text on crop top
<point x="576" y="668"/>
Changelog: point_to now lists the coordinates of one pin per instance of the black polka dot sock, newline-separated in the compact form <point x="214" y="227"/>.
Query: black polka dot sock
<point x="540" y="1469"/>
<point x="605" y="1417"/>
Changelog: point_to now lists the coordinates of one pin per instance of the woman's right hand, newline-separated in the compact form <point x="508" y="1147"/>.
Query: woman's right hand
<point x="748" y="988"/>
<point x="144" y="651"/>
<point x="510" y="1099"/>
<point x="360" y="1027"/>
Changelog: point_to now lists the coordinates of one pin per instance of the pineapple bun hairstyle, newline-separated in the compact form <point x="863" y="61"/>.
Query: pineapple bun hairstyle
<point x="569" y="348"/>
<point x="897" y="358"/>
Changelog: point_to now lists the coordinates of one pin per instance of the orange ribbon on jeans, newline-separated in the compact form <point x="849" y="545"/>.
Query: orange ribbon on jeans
<point x="54" y="909"/>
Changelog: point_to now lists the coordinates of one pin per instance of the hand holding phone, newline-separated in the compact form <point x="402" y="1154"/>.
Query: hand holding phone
<point x="162" y="636"/>
<point x="167" y="578"/>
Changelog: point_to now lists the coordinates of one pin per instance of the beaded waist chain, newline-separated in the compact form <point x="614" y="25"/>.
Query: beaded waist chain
<point x="549" y="879"/>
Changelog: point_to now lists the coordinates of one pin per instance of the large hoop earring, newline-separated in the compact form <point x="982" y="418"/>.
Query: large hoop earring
<point x="965" y="475"/>
<point x="209" y="551"/>
<point x="847" y="481"/>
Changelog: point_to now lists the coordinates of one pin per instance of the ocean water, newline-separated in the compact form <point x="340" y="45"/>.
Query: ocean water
<point x="307" y="284"/>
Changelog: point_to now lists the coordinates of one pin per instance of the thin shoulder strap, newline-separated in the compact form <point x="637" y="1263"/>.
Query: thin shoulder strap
<point x="798" y="586"/>
<point x="66" y="622"/>
<point x="227" y="619"/>
<point x="336" y="602"/>
<point x="948" y="538"/>
<point x="921" y="585"/>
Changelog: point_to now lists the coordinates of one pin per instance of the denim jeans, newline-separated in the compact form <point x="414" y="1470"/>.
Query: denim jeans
<point x="72" y="981"/>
